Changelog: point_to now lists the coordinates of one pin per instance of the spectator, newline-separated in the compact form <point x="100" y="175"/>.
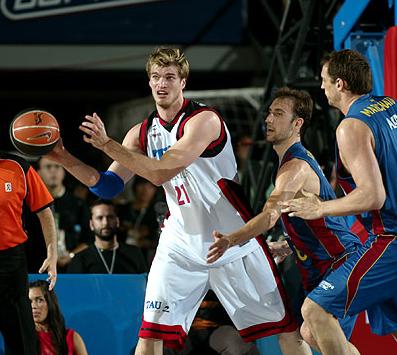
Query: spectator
<point x="71" y="213"/>
<point x="106" y="255"/>
<point x="139" y="219"/>
<point x="54" y="337"/>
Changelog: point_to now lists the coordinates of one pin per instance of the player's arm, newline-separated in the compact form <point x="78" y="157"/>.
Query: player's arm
<point x="47" y="223"/>
<point x="356" y="148"/>
<point x="290" y="179"/>
<point x="199" y="132"/>
<point x="104" y="184"/>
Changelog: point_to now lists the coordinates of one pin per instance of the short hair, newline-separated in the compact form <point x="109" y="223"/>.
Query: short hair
<point x="302" y="103"/>
<point x="100" y="201"/>
<point x="352" y="67"/>
<point x="164" y="57"/>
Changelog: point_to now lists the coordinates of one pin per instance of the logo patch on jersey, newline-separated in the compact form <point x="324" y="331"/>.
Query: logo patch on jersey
<point x="156" y="306"/>
<point x="326" y="285"/>
<point x="8" y="187"/>
<point x="154" y="132"/>
<point x="158" y="153"/>
<point x="301" y="255"/>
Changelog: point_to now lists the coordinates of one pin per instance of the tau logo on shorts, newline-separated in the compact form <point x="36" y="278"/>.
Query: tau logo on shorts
<point x="326" y="285"/>
<point x="156" y="306"/>
<point x="8" y="187"/>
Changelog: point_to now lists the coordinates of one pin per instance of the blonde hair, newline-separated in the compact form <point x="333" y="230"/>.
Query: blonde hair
<point x="164" y="57"/>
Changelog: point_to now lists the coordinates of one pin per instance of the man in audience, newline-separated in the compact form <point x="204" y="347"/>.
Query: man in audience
<point x="106" y="255"/>
<point x="71" y="213"/>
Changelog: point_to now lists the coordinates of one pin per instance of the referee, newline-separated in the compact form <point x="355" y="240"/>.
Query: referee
<point x="21" y="187"/>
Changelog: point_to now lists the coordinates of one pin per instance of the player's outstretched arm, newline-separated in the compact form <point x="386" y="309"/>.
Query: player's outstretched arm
<point x="116" y="175"/>
<point x="47" y="223"/>
<point x="360" y="160"/>
<point x="88" y="175"/>
<point x="290" y="179"/>
<point x="199" y="132"/>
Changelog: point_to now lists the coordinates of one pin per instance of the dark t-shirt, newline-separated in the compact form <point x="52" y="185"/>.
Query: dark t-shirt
<point x="128" y="260"/>
<point x="72" y="216"/>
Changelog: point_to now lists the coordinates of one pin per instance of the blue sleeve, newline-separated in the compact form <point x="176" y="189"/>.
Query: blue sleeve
<point x="108" y="186"/>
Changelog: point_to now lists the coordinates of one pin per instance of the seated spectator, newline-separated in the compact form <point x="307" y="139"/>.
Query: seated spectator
<point x="139" y="222"/>
<point x="107" y="255"/>
<point x="54" y="337"/>
<point x="71" y="216"/>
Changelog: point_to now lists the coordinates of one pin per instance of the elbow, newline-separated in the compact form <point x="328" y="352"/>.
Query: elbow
<point x="379" y="200"/>
<point x="376" y="200"/>
<point x="157" y="180"/>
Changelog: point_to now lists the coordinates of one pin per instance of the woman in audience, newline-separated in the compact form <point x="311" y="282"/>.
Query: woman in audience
<point x="53" y="336"/>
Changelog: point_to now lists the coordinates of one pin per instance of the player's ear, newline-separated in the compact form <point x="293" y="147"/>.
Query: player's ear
<point x="183" y="83"/>
<point x="299" y="122"/>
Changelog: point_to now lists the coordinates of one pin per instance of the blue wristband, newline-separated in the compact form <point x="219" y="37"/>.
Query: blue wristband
<point x="108" y="186"/>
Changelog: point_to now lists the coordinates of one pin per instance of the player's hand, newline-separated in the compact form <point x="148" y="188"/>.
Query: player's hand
<point x="218" y="248"/>
<point x="50" y="264"/>
<point x="94" y="131"/>
<point x="279" y="250"/>
<point x="307" y="207"/>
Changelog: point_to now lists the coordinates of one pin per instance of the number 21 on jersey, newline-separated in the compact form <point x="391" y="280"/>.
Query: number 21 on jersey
<point x="181" y="195"/>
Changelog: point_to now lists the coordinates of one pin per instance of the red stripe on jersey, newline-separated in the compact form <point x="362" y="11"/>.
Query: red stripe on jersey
<point x="221" y="137"/>
<point x="229" y="188"/>
<point x="173" y="335"/>
<point x="364" y="264"/>
<point x="143" y="136"/>
<point x="326" y="237"/>
<point x="234" y="194"/>
<point x="377" y="223"/>
<point x="211" y="149"/>
<point x="177" y="116"/>
<point x="187" y="118"/>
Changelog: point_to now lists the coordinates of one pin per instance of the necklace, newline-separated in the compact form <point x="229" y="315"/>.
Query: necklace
<point x="110" y="271"/>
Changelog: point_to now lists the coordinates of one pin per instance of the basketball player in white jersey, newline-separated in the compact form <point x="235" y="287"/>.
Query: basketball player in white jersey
<point x="185" y="147"/>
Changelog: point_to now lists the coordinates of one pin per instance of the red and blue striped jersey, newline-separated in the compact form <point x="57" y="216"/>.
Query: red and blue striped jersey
<point x="321" y="244"/>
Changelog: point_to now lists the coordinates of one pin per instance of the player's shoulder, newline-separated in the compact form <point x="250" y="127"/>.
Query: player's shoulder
<point x="16" y="158"/>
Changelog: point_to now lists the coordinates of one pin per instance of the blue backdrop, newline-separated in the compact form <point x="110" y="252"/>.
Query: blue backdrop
<point x="105" y="309"/>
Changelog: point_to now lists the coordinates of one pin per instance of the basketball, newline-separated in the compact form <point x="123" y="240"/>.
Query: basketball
<point x="34" y="132"/>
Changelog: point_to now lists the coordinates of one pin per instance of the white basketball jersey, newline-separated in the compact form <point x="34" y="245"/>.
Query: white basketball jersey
<point x="196" y="203"/>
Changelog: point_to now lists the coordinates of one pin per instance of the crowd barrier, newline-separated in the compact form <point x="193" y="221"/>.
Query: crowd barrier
<point x="107" y="311"/>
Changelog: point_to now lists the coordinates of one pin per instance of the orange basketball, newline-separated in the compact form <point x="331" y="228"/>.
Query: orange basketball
<point x="34" y="132"/>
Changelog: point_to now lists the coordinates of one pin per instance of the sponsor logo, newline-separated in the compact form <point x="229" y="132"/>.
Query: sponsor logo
<point x="154" y="132"/>
<point x="158" y="153"/>
<point x="156" y="306"/>
<point x="26" y="9"/>
<point x="47" y="134"/>
<point x="8" y="187"/>
<point x="326" y="285"/>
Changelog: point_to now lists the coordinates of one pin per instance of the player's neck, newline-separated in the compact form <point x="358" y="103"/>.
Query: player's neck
<point x="168" y="113"/>
<point x="57" y="191"/>
<point x="346" y="102"/>
<point x="281" y="147"/>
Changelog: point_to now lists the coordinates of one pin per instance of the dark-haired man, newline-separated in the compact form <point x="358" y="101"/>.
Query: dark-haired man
<point x="320" y="245"/>
<point x="367" y="170"/>
<point x="106" y="255"/>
